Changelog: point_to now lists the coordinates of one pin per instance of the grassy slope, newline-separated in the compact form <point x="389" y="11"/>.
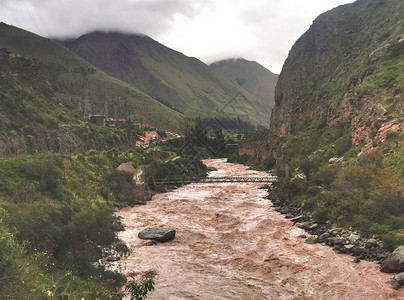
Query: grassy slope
<point x="184" y="83"/>
<point x="74" y="79"/>
<point x="253" y="77"/>
<point x="32" y="121"/>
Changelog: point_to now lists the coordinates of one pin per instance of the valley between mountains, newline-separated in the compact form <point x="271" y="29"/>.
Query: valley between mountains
<point x="107" y="133"/>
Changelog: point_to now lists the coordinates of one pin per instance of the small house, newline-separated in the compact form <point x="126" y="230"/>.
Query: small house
<point x="98" y="120"/>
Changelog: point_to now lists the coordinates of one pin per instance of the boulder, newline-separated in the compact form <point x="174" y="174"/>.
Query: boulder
<point x="358" y="250"/>
<point x="399" y="278"/>
<point x="297" y="219"/>
<point x="354" y="237"/>
<point x="336" y="241"/>
<point x="160" y="234"/>
<point x="394" y="263"/>
<point x="311" y="240"/>
<point x="335" y="160"/>
<point x="371" y="243"/>
<point x="126" y="168"/>
<point x="394" y="284"/>
<point x="323" y="237"/>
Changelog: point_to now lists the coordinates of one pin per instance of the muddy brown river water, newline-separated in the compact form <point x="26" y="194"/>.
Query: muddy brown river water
<point x="232" y="244"/>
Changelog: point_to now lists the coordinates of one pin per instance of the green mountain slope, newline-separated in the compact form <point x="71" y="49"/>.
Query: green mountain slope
<point x="32" y="121"/>
<point x="184" y="83"/>
<point x="256" y="79"/>
<point x="81" y="85"/>
<point x="338" y="121"/>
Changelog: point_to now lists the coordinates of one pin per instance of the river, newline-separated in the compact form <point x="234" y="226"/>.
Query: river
<point x="232" y="244"/>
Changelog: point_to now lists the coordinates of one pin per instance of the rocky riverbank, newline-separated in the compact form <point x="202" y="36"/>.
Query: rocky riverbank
<point x="341" y="240"/>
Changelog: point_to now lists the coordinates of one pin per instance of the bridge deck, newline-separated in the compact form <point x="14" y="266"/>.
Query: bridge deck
<point x="267" y="179"/>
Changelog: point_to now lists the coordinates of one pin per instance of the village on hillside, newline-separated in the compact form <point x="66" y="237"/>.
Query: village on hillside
<point x="149" y="137"/>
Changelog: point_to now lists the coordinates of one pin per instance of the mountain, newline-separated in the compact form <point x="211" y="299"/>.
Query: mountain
<point x="32" y="121"/>
<point x="78" y="84"/>
<point x="183" y="83"/>
<point x="331" y="75"/>
<point x="338" y="120"/>
<point x="253" y="77"/>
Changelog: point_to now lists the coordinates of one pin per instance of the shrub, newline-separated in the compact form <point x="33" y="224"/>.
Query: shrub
<point x="366" y="89"/>
<point x="269" y="163"/>
<point x="342" y="145"/>
<point x="393" y="239"/>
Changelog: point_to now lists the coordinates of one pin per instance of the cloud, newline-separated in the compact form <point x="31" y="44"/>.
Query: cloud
<point x="261" y="30"/>
<point x="75" y="17"/>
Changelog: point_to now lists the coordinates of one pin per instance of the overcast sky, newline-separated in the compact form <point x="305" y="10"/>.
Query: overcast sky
<point x="260" y="30"/>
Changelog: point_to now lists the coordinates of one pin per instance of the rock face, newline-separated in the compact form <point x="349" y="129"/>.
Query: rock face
<point x="126" y="168"/>
<point x="394" y="263"/>
<point x="160" y="234"/>
<point x="310" y="90"/>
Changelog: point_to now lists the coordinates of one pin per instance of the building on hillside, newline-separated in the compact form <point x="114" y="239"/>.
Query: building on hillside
<point x="116" y="122"/>
<point x="98" y="120"/>
<point x="151" y="135"/>
<point x="142" y="141"/>
<point x="147" y="139"/>
<point x="147" y="126"/>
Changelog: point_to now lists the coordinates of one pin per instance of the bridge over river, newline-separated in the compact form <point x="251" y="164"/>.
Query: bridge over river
<point x="221" y="179"/>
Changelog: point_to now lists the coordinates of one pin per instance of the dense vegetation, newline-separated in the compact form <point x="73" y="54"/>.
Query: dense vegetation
<point x="57" y="223"/>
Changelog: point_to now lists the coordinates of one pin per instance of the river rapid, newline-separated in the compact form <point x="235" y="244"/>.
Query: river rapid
<point x="232" y="244"/>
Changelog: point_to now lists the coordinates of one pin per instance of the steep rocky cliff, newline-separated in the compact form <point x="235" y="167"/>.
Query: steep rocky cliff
<point x="343" y="77"/>
<point x="337" y="125"/>
<point x="330" y="75"/>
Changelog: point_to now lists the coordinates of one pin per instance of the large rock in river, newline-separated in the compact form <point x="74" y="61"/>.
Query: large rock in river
<point x="394" y="263"/>
<point x="160" y="234"/>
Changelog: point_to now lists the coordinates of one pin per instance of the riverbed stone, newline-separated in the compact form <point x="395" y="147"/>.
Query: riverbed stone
<point x="394" y="263"/>
<point x="297" y="218"/>
<point x="160" y="234"/>
<point x="354" y="237"/>
<point x="356" y="260"/>
<point x="314" y="226"/>
<point x="399" y="278"/>
<point x="336" y="241"/>
<point x="311" y="240"/>
<point x="349" y="246"/>
<point x="358" y="250"/>
<point x="371" y="243"/>
<point x="324" y="236"/>
<point x="394" y="284"/>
